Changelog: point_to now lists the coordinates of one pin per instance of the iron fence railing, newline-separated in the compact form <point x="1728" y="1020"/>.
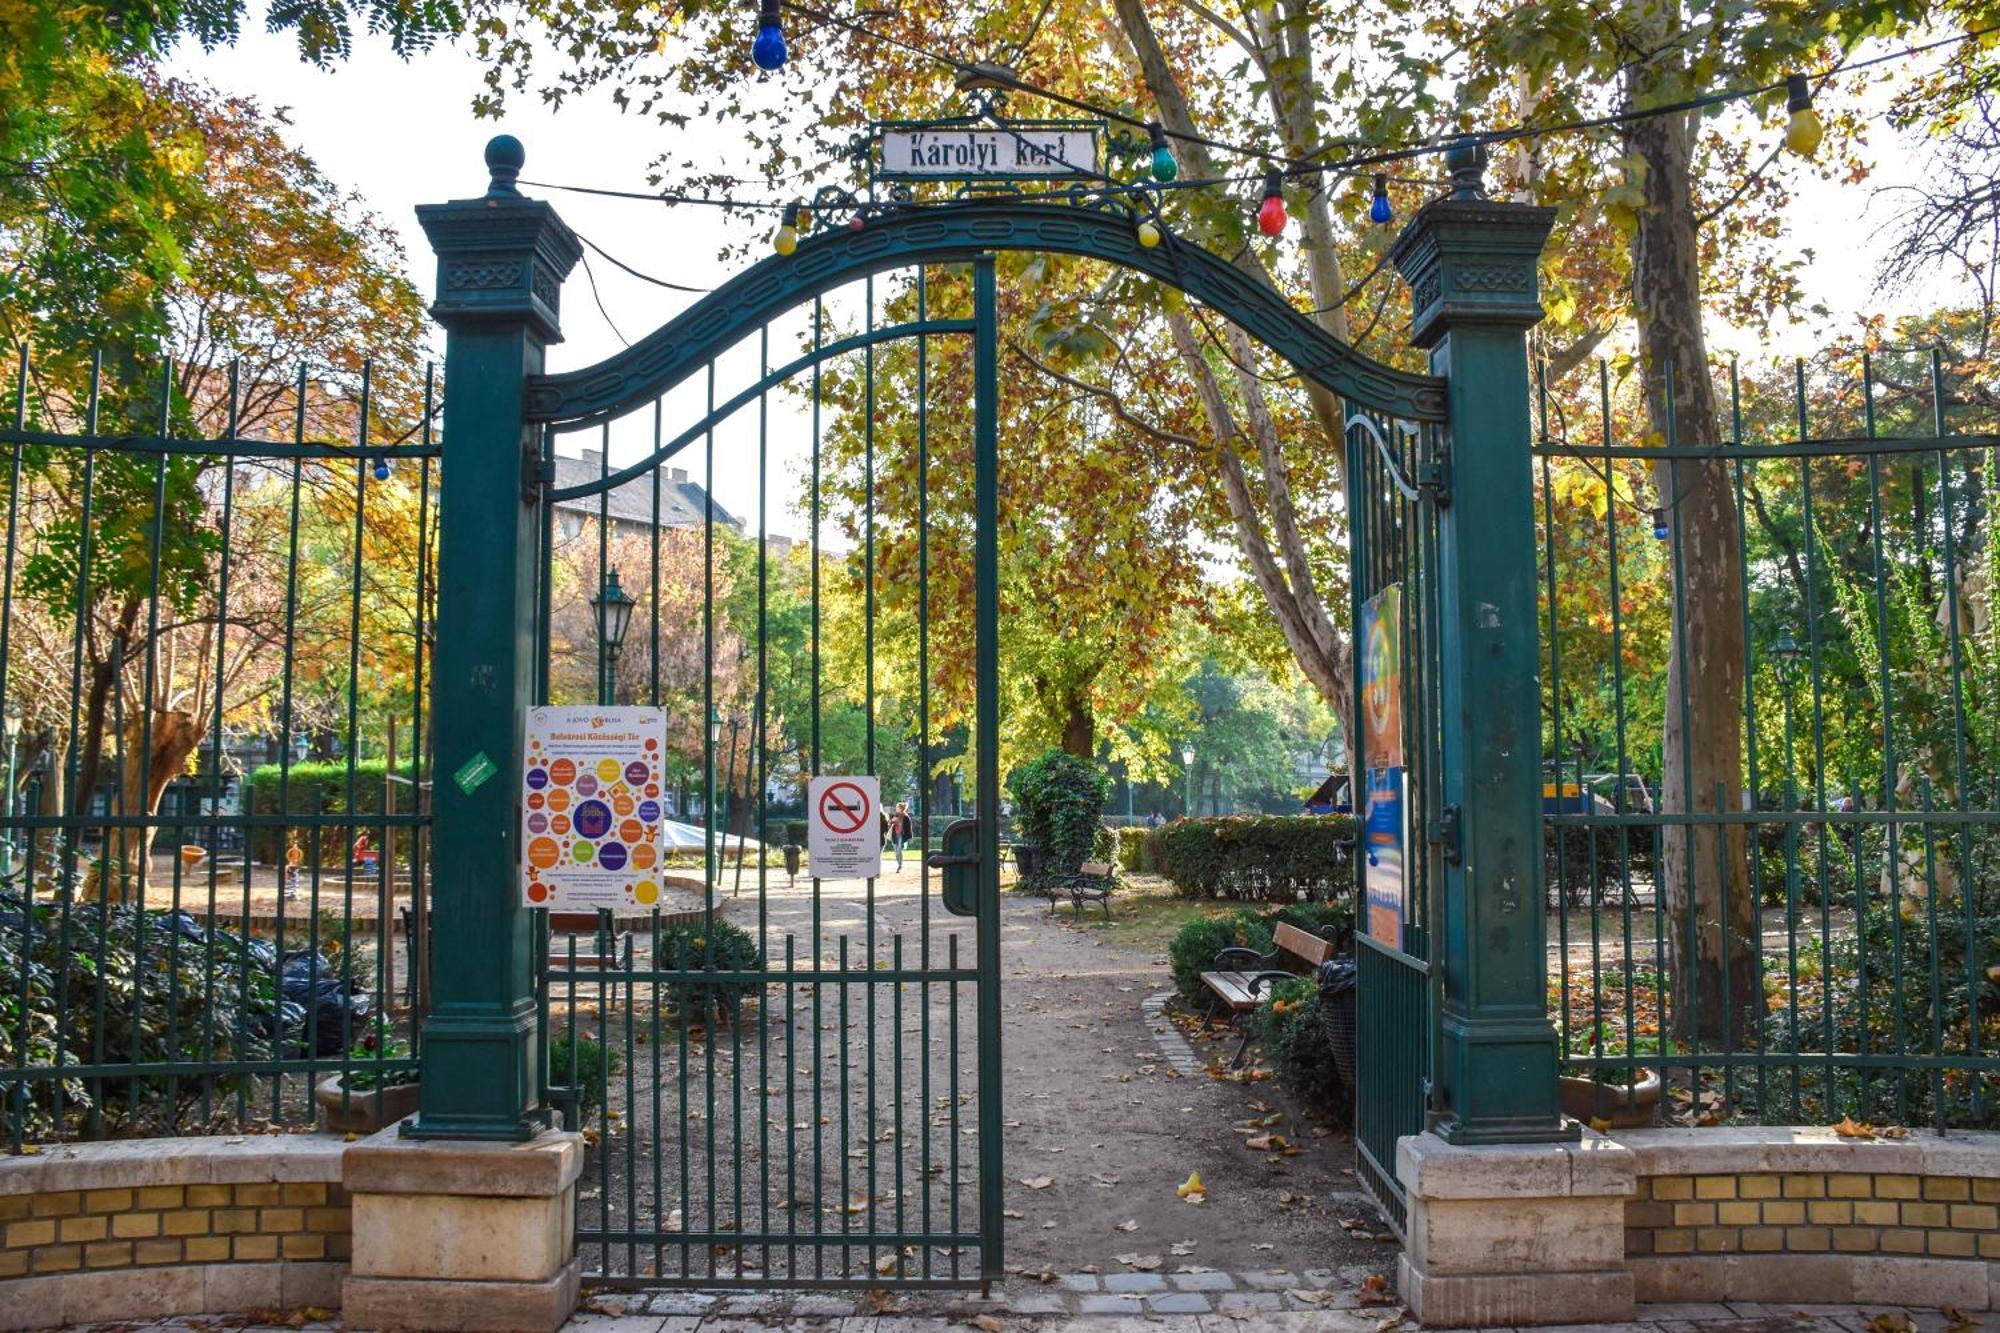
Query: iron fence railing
<point x="212" y="827"/>
<point x="1771" y="839"/>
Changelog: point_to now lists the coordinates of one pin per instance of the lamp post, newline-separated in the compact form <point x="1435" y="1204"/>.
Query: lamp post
<point x="13" y="722"/>
<point x="708" y="801"/>
<point x="1187" y="781"/>
<point x="613" y="606"/>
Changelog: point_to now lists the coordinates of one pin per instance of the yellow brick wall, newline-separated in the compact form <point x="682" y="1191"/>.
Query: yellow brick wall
<point x="1945" y="1217"/>
<point x="78" y="1230"/>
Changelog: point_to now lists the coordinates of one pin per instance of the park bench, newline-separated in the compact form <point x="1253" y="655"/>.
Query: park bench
<point x="604" y="950"/>
<point x="1093" y="879"/>
<point x="1239" y="988"/>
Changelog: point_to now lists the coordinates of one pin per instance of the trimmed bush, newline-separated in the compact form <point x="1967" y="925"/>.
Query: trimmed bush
<point x="1058" y="806"/>
<point x="717" y="947"/>
<point x="1258" y="858"/>
<point x="312" y="789"/>
<point x="1580" y="861"/>
<point x="1131" y="848"/>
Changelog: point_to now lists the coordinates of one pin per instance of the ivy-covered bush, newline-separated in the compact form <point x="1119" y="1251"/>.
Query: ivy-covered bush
<point x="311" y="789"/>
<point x="696" y="948"/>
<point x="1058" y="806"/>
<point x="1131" y="848"/>
<point x="1258" y="858"/>
<point x="1193" y="949"/>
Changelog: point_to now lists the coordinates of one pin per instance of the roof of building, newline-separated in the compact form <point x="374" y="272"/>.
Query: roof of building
<point x="683" y="503"/>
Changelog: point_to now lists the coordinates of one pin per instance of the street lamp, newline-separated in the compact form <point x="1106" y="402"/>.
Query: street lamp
<point x="613" y="606"/>
<point x="1187" y="781"/>
<point x="13" y="723"/>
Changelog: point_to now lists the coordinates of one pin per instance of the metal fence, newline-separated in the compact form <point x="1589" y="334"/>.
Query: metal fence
<point x="1800" y="922"/>
<point x="212" y="654"/>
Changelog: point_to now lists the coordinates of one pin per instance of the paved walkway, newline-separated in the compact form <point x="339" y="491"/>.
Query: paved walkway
<point x="911" y="1316"/>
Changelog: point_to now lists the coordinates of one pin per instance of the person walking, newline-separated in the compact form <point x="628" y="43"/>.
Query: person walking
<point x="900" y="828"/>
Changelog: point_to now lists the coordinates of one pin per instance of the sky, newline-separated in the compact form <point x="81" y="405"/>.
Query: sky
<point x="402" y="133"/>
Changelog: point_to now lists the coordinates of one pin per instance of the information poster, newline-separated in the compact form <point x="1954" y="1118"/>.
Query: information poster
<point x="1382" y="679"/>
<point x="590" y="807"/>
<point x="1384" y="833"/>
<point x="844" y="827"/>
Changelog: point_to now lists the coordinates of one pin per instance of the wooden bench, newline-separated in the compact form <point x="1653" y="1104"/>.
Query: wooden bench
<point x="1252" y="973"/>
<point x="1093" y="879"/>
<point x="605" y="951"/>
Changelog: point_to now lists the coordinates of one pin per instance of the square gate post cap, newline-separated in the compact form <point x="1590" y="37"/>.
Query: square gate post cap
<point x="502" y="257"/>
<point x="385" y="1163"/>
<point x="1469" y="259"/>
<point x="1431" y="1168"/>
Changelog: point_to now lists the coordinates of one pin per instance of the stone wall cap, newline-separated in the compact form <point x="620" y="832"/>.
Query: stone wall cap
<point x="235" y="1159"/>
<point x="1431" y="1168"/>
<point x="1731" y="1150"/>
<point x="387" y="1163"/>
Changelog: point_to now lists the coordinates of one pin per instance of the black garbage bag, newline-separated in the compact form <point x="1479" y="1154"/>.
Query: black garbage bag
<point x="329" y="1016"/>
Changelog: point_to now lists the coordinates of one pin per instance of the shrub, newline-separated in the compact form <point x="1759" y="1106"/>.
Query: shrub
<point x="716" y="947"/>
<point x="1580" y="862"/>
<point x="1258" y="858"/>
<point x="578" y="1061"/>
<point x="1059" y="806"/>
<point x="315" y="788"/>
<point x="1193" y="948"/>
<point x="1299" y="1036"/>
<point x="1131" y="848"/>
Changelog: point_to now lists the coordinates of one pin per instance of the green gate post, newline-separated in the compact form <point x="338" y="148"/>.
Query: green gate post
<point x="1471" y="267"/>
<point x="502" y="259"/>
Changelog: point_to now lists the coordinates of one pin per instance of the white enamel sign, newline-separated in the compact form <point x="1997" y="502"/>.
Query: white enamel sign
<point x="950" y="153"/>
<point x="844" y="827"/>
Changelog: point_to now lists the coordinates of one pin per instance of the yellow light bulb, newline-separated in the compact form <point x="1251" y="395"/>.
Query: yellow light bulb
<point x="1149" y="235"/>
<point x="1803" y="132"/>
<point x="787" y="240"/>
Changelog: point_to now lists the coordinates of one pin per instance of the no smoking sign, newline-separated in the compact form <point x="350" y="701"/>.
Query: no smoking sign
<point x="844" y="828"/>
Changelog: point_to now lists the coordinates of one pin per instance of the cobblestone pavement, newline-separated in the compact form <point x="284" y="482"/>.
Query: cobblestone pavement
<point x="689" y="1312"/>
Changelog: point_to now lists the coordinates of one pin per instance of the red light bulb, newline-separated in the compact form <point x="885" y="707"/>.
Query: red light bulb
<point x="1271" y="215"/>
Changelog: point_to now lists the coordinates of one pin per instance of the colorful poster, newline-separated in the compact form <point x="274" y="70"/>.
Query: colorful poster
<point x="1382" y="679"/>
<point x="591" y="832"/>
<point x="1384" y="833"/>
<point x="844" y="827"/>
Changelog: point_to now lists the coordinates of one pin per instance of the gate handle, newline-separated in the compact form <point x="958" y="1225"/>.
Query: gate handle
<point x="939" y="860"/>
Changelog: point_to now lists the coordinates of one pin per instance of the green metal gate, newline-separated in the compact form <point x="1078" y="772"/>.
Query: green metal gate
<point x="813" y="1102"/>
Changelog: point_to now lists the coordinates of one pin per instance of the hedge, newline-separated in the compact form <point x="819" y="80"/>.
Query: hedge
<point x="1257" y="858"/>
<point x="1131" y="848"/>
<point x="316" y="788"/>
<point x="1300" y="1032"/>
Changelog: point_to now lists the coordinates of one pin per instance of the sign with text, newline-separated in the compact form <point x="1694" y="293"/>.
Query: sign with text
<point x="954" y="153"/>
<point x="1382" y="679"/>
<point x="591" y="832"/>
<point x="844" y="827"/>
<point x="1384" y="834"/>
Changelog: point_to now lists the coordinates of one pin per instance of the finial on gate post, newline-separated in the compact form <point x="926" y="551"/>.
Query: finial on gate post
<point x="1466" y="161"/>
<point x="504" y="159"/>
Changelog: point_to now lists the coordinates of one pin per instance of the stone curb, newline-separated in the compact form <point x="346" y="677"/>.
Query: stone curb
<point x="1153" y="1009"/>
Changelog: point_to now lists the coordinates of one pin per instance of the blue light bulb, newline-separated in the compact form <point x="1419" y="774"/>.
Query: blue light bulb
<point x="1165" y="168"/>
<point x="381" y="469"/>
<point x="769" y="48"/>
<point x="1379" y="211"/>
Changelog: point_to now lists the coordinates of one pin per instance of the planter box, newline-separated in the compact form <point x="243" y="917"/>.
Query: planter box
<point x="364" y="1111"/>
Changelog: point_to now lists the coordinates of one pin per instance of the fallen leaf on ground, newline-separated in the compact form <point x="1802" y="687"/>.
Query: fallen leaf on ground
<point x="1039" y="1182"/>
<point x="1182" y="1247"/>
<point x="1129" y="1224"/>
<point x="986" y="1322"/>
<point x="1312" y="1297"/>
<point x="1010" y="1212"/>
<point x="1375" y="1290"/>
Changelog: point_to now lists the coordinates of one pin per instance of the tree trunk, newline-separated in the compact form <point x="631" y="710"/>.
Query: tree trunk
<point x="1705" y="872"/>
<point x="1079" y="735"/>
<point x="174" y="737"/>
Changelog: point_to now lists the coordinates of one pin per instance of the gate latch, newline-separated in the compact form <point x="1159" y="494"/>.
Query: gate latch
<point x="958" y="860"/>
<point x="1448" y="833"/>
<point x="1435" y="475"/>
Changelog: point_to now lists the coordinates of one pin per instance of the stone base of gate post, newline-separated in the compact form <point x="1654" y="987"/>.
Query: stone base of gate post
<point x="463" y="1236"/>
<point x="1515" y="1233"/>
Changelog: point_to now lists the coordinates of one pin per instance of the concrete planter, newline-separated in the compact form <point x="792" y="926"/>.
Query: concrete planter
<point x="1633" y="1106"/>
<point x="364" y="1112"/>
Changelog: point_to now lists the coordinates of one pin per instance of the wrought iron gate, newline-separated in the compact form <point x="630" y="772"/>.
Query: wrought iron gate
<point x="793" y="1084"/>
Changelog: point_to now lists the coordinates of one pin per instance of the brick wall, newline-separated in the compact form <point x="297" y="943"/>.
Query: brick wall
<point x="1943" y="1217"/>
<point x="67" y="1231"/>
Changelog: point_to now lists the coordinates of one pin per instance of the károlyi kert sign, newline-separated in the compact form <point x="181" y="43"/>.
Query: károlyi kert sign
<point x="844" y="827"/>
<point x="987" y="154"/>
